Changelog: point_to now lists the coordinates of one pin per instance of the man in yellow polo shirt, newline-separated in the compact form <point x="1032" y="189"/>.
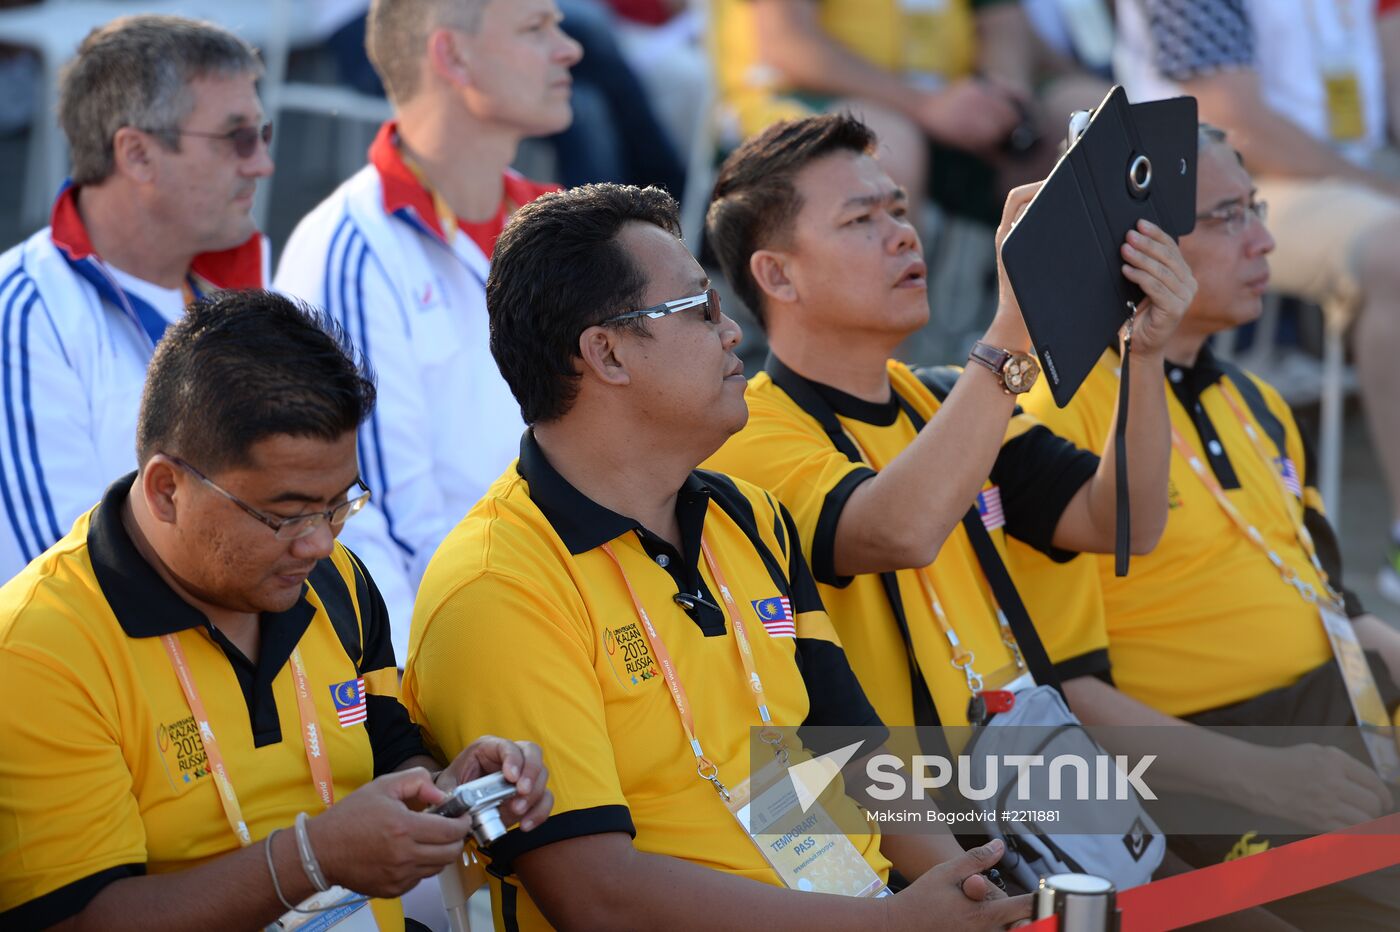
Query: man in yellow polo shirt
<point x="1206" y="629"/>
<point x="639" y="615"/>
<point x="880" y="468"/>
<point x="197" y="665"/>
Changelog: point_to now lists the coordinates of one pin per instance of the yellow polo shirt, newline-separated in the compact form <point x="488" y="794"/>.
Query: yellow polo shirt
<point x="1204" y="620"/>
<point x="937" y="39"/>
<point x="786" y="449"/>
<point x="103" y="775"/>
<point x="524" y="626"/>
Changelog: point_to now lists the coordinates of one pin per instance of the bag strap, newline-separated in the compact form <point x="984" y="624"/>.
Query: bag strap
<point x="936" y="380"/>
<point x="812" y="403"/>
<point x="1004" y="590"/>
<point x="1254" y="400"/>
<point x="334" y="593"/>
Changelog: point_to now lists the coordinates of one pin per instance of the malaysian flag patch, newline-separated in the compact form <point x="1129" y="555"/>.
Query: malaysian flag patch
<point x="989" y="508"/>
<point x="349" y="699"/>
<point x="1289" y="472"/>
<point x="776" y="615"/>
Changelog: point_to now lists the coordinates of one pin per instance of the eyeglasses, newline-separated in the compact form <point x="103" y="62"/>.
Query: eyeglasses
<point x="288" y="528"/>
<point x="1234" y="217"/>
<point x="244" y="139"/>
<point x="708" y="299"/>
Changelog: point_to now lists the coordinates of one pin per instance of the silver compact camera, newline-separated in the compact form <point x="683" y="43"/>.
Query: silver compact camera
<point x="481" y="798"/>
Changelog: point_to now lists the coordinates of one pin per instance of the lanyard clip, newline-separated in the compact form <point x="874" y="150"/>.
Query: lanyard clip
<point x="964" y="663"/>
<point x="1009" y="639"/>
<point x="774" y="739"/>
<point x="709" y="771"/>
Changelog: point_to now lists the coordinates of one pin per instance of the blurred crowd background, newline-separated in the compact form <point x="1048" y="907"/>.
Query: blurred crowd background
<point x="969" y="97"/>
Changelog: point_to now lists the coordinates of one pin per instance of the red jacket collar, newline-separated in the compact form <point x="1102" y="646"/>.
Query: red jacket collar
<point x="401" y="187"/>
<point x="239" y="267"/>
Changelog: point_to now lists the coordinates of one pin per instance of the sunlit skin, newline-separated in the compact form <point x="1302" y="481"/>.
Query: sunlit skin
<point x="1232" y="272"/>
<point x="205" y="190"/>
<point x="160" y="208"/>
<point x="853" y="248"/>
<point x="218" y="557"/>
<point x="688" y="366"/>
<point x="518" y="63"/>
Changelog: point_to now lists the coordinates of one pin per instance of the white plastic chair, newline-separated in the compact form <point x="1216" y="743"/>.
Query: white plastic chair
<point x="1329" y="454"/>
<point x="281" y="96"/>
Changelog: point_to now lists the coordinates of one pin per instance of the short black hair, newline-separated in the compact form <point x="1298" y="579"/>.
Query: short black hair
<point x="755" y="199"/>
<point x="558" y="269"/>
<point x="241" y="366"/>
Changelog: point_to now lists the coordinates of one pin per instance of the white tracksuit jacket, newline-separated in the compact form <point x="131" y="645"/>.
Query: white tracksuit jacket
<point x="75" y="350"/>
<point x="446" y="425"/>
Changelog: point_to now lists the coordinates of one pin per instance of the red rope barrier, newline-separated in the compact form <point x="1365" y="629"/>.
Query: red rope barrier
<point x="1260" y="878"/>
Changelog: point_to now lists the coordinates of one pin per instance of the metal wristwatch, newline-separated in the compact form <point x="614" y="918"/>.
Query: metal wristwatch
<point x="1017" y="371"/>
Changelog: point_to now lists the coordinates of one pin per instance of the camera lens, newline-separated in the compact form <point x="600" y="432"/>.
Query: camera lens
<point x="1140" y="175"/>
<point x="487" y="826"/>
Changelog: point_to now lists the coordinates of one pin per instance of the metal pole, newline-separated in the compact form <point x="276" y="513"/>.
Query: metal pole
<point x="1083" y="902"/>
<point x="454" y="898"/>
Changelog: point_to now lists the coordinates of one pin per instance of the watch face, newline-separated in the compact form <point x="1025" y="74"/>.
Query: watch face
<point x="1019" y="373"/>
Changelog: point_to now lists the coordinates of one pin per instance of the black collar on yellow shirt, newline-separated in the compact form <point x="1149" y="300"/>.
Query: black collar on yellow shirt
<point x="146" y="607"/>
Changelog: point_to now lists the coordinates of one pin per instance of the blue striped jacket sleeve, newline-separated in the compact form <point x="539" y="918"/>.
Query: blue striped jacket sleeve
<point x="47" y="450"/>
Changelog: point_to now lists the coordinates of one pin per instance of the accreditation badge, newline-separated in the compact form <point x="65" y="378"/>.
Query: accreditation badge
<point x="801" y="843"/>
<point x="1346" y="117"/>
<point x="929" y="33"/>
<point x="1365" y="697"/>
<point x="336" y="910"/>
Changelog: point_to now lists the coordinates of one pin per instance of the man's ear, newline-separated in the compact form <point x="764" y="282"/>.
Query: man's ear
<point x="599" y="348"/>
<point x="158" y="484"/>
<point x="770" y="270"/>
<point x="133" y="154"/>
<point x="447" y="59"/>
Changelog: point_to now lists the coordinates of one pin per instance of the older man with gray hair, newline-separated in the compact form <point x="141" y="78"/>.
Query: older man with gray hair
<point x="168" y="143"/>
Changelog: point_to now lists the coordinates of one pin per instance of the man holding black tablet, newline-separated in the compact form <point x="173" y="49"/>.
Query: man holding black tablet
<point x="813" y="235"/>
<point x="1209" y="629"/>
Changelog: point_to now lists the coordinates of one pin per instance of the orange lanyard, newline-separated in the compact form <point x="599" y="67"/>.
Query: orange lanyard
<point x="962" y="658"/>
<point x="310" y="733"/>
<point x="703" y="765"/>
<point x="1289" y="575"/>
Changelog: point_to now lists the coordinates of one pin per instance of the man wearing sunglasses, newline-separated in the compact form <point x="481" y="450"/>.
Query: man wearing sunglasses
<point x="642" y="615"/>
<point x="202" y="722"/>
<point x="168" y="144"/>
<point x="400" y="253"/>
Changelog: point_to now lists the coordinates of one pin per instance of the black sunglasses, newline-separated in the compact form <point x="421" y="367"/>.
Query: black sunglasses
<point x="244" y="139"/>
<point x="708" y="299"/>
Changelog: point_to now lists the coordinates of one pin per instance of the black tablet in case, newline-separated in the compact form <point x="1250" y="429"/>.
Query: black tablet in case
<point x="1062" y="256"/>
